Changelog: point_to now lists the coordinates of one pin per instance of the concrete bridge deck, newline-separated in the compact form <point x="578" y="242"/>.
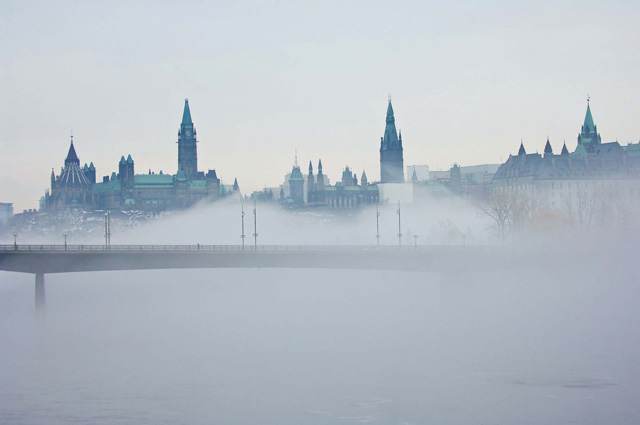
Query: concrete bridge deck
<point x="43" y="259"/>
<point x="83" y="258"/>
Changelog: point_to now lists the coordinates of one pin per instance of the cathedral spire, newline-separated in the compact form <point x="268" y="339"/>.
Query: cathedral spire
<point x="565" y="151"/>
<point x="391" y="152"/>
<point x="588" y="125"/>
<point x="186" y="115"/>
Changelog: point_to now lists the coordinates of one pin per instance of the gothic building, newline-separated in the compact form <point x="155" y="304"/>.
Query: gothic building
<point x="589" y="138"/>
<point x="77" y="187"/>
<point x="347" y="193"/>
<point x="72" y="188"/>
<point x="391" y="161"/>
<point x="595" y="173"/>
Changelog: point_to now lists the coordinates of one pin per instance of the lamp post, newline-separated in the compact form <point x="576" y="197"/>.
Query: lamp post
<point x="399" y="227"/>
<point x="65" y="242"/>
<point x="107" y="230"/>
<point x="242" y="236"/>
<point x="415" y="239"/>
<point x="377" y="226"/>
<point x="255" y="226"/>
<point x="15" y="241"/>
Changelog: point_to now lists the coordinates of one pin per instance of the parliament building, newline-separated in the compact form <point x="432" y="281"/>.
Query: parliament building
<point x="76" y="186"/>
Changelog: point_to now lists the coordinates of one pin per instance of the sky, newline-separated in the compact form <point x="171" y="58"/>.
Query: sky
<point x="468" y="80"/>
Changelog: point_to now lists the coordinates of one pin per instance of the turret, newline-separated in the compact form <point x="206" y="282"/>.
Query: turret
<point x="126" y="171"/>
<point x="589" y="137"/>
<point x="187" y="145"/>
<point x="320" y="180"/>
<point x="363" y="180"/>
<point x="548" y="150"/>
<point x="391" y="151"/>
<point x="521" y="151"/>
<point x="311" y="187"/>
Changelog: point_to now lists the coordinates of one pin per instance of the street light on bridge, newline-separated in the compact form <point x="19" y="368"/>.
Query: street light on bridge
<point x="107" y="229"/>
<point x="377" y="226"/>
<point x="242" y="236"/>
<point x="255" y="226"/>
<point x="15" y="241"/>
<point x="399" y="227"/>
<point x="65" y="242"/>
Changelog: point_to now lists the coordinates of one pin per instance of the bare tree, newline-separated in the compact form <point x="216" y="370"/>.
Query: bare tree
<point x="497" y="206"/>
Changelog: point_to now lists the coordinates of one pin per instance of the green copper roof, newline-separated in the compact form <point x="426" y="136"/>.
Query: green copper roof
<point x="588" y="126"/>
<point x="129" y="160"/>
<point x="296" y="174"/>
<point x="105" y="187"/>
<point x="122" y="160"/>
<point x="153" y="179"/>
<point x="390" y="139"/>
<point x="186" y="115"/>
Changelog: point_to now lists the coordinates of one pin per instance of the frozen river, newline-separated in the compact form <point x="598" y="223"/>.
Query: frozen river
<point x="321" y="347"/>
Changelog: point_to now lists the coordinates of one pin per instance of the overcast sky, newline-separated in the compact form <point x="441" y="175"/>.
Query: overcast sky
<point x="468" y="81"/>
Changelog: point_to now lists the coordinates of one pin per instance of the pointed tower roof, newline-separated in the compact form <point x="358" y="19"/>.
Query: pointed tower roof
<point x="186" y="115"/>
<point x="588" y="126"/>
<point x="565" y="151"/>
<point x="129" y="159"/>
<point x="414" y="177"/>
<point x="310" y="168"/>
<point x="320" y="165"/>
<point x="122" y="160"/>
<point x="390" y="139"/>
<point x="521" y="151"/>
<point x="364" y="176"/>
<point x="547" y="148"/>
<point x="235" y="184"/>
<point x="72" y="157"/>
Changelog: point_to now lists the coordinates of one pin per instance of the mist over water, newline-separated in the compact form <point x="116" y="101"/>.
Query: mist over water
<point x="544" y="345"/>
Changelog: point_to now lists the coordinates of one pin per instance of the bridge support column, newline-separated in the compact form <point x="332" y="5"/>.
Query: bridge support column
<point x="40" y="298"/>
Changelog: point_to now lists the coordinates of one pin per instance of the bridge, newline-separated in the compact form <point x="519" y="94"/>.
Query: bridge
<point x="44" y="259"/>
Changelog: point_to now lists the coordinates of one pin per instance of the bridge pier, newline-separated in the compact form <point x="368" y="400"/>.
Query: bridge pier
<point x="40" y="297"/>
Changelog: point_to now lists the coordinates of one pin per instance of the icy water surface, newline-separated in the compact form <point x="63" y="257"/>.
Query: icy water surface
<point x="321" y="347"/>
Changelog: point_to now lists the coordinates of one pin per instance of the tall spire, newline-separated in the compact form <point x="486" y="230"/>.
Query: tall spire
<point x="310" y="168"/>
<point x="390" y="139"/>
<point x="589" y="136"/>
<point x="320" y="166"/>
<point x="565" y="151"/>
<point x="391" y="152"/>
<point x="186" y="115"/>
<point x="588" y="126"/>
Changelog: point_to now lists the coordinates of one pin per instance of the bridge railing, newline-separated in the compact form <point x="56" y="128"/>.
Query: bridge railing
<point x="34" y="248"/>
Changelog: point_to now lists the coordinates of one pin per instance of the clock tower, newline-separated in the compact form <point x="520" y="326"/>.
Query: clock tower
<point x="187" y="148"/>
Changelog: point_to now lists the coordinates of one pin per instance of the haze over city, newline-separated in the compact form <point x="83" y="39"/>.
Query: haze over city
<point x="462" y="249"/>
<point x="469" y="81"/>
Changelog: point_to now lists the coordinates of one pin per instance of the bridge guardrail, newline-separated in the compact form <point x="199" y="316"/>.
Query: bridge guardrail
<point x="35" y="248"/>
